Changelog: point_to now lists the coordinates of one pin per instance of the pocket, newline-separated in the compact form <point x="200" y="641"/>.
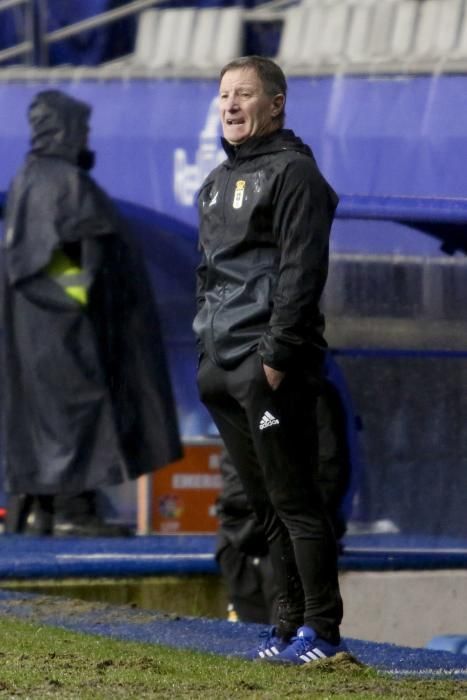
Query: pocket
<point x="264" y="377"/>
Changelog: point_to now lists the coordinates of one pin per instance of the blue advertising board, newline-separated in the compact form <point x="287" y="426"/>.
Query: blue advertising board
<point x="156" y="140"/>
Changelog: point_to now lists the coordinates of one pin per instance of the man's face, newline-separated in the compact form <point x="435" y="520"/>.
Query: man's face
<point x="245" y="109"/>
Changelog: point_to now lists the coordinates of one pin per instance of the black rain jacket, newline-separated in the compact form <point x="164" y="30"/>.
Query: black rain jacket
<point x="265" y="218"/>
<point x="87" y="400"/>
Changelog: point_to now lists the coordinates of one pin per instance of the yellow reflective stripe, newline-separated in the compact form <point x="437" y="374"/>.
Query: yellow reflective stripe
<point x="60" y="264"/>
<point x="78" y="293"/>
<point x="69" y="276"/>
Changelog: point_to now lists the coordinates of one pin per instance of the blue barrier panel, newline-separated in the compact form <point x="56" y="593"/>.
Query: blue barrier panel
<point x="392" y="286"/>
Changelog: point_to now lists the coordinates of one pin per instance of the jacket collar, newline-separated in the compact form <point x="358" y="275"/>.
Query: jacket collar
<point x="252" y="145"/>
<point x="279" y="140"/>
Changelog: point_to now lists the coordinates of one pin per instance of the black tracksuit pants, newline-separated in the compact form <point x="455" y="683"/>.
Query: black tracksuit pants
<point x="271" y="436"/>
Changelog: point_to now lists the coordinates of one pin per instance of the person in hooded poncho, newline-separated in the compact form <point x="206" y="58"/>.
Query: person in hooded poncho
<point x="87" y="397"/>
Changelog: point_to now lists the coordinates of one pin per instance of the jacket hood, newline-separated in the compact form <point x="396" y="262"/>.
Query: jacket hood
<point x="280" y="140"/>
<point x="59" y="125"/>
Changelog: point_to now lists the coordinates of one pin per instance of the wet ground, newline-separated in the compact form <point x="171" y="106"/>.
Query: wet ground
<point x="202" y="596"/>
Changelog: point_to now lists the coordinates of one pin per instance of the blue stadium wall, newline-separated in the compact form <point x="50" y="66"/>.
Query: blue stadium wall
<point x="395" y="301"/>
<point x="155" y="139"/>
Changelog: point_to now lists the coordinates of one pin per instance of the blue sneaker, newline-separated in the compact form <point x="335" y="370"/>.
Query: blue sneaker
<point x="269" y="647"/>
<point x="307" y="647"/>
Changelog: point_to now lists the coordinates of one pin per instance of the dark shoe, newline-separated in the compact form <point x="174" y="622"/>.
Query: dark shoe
<point x="30" y="515"/>
<point x="18" y="509"/>
<point x="43" y="516"/>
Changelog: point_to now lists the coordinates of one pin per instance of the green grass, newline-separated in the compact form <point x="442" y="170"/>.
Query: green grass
<point x="38" y="661"/>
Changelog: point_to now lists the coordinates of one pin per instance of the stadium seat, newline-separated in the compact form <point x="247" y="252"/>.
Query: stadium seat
<point x="314" y="35"/>
<point x="330" y="49"/>
<point x="171" y="46"/>
<point x="295" y="19"/>
<point x="456" y="59"/>
<point x="357" y="47"/>
<point x="436" y="32"/>
<point x="181" y="47"/>
<point x="405" y="20"/>
<point x="386" y="46"/>
<point x="309" y="45"/>
<point x="147" y="33"/>
<point x="216" y="37"/>
<point x="382" y="27"/>
<point x="204" y="37"/>
<point x="229" y="39"/>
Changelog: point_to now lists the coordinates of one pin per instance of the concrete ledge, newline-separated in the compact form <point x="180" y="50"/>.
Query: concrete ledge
<point x="404" y="607"/>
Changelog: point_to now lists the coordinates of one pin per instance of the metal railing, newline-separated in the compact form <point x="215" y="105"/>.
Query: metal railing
<point x="102" y="19"/>
<point x="37" y="39"/>
<point x="132" y="8"/>
<point x="26" y="47"/>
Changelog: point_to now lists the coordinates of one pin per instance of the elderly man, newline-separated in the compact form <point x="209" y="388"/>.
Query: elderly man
<point x="265" y="217"/>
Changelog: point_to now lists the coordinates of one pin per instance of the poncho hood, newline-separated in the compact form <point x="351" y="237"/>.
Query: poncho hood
<point x="59" y="125"/>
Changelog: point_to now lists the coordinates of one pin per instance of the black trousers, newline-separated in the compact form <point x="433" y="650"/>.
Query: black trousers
<point x="271" y="436"/>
